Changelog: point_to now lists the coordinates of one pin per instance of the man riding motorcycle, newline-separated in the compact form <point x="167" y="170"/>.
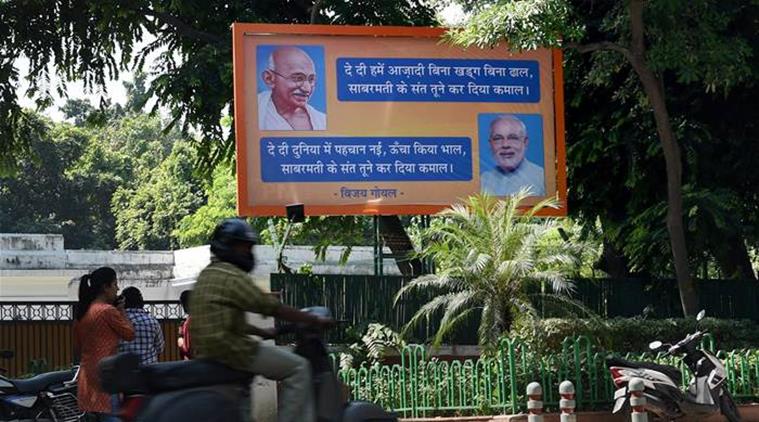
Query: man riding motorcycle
<point x="224" y="292"/>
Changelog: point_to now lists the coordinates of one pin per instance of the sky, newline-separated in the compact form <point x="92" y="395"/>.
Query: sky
<point x="451" y="15"/>
<point x="114" y="90"/>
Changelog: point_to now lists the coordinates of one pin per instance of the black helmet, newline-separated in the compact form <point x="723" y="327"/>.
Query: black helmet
<point x="228" y="232"/>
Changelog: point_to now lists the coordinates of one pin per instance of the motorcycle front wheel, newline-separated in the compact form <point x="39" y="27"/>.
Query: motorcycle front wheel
<point x="728" y="407"/>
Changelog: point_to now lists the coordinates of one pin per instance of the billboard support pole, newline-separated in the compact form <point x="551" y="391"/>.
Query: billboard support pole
<point x="428" y="265"/>
<point x="378" y="258"/>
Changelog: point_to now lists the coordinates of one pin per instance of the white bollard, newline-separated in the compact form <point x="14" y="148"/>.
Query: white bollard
<point x="567" y="403"/>
<point x="637" y="400"/>
<point x="534" y="402"/>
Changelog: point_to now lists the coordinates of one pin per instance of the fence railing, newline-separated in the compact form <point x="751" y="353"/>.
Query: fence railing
<point x="420" y="386"/>
<point x="355" y="299"/>
<point x="41" y="336"/>
<point x="64" y="311"/>
<point x="361" y="299"/>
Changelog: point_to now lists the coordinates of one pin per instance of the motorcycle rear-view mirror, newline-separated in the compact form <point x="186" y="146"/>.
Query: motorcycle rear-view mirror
<point x="655" y="345"/>
<point x="701" y="315"/>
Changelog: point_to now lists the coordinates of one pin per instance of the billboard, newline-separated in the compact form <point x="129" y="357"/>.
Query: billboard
<point x="389" y="120"/>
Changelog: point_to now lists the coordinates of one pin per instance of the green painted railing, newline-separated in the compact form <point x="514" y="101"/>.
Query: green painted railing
<point x="420" y="386"/>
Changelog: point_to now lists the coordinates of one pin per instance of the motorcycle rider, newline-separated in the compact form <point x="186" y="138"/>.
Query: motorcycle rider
<point x="224" y="292"/>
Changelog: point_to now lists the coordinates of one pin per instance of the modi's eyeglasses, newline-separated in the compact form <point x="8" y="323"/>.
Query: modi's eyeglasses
<point x="298" y="78"/>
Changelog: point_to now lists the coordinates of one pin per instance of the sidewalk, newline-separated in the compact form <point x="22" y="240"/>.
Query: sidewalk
<point x="749" y="413"/>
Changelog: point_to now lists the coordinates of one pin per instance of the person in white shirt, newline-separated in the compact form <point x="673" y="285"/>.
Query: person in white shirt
<point x="508" y="143"/>
<point x="291" y="80"/>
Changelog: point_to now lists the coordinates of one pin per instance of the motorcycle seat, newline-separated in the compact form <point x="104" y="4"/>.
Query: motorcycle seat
<point x="42" y="381"/>
<point x="670" y="371"/>
<point x="123" y="373"/>
<point x="179" y="375"/>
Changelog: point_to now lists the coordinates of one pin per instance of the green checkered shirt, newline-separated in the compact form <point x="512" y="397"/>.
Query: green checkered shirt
<point x="219" y="301"/>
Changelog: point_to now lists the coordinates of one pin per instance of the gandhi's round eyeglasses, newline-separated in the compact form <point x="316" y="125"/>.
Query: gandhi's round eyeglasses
<point x="298" y="78"/>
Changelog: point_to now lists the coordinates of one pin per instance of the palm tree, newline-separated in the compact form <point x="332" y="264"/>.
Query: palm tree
<point x="487" y="252"/>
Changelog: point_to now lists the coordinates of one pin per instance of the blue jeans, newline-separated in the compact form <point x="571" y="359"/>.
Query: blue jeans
<point x="115" y="407"/>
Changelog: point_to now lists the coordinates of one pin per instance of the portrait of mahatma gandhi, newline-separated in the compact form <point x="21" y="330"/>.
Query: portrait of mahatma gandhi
<point x="508" y="141"/>
<point x="291" y="81"/>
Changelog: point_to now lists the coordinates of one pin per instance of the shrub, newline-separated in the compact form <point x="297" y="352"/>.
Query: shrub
<point x="633" y="334"/>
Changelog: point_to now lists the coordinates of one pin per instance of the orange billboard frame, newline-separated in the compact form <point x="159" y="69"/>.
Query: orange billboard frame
<point x="239" y="30"/>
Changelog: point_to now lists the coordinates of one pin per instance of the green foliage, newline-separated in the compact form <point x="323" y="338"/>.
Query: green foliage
<point x="48" y="196"/>
<point x="78" y="171"/>
<point x="147" y="214"/>
<point x="705" y="54"/>
<point x="696" y="41"/>
<point x="633" y="335"/>
<point x="191" y="75"/>
<point x="375" y="344"/>
<point x="487" y="253"/>
<point x="526" y="25"/>
<point x="196" y="228"/>
<point x="321" y="232"/>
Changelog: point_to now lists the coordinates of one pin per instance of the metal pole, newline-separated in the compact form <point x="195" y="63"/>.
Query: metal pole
<point x="567" y="402"/>
<point x="534" y="402"/>
<point x="377" y="248"/>
<point x="637" y="400"/>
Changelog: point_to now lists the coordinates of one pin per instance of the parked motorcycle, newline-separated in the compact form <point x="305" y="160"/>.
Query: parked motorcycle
<point x="706" y="393"/>
<point x="46" y="397"/>
<point x="202" y="390"/>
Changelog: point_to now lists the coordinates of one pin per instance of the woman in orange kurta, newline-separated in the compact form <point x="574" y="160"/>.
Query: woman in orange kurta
<point x="98" y="328"/>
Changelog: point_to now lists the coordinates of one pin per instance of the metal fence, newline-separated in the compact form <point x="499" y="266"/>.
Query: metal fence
<point x="361" y="299"/>
<point x="420" y="386"/>
<point x="660" y="298"/>
<point x="41" y="336"/>
<point x="358" y="300"/>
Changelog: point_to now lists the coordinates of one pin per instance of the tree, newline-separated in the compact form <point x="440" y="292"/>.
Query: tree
<point x="487" y="253"/>
<point x="119" y="156"/>
<point x="192" y="74"/>
<point x="195" y="229"/>
<point x="93" y="41"/>
<point x="50" y="196"/>
<point x="148" y="213"/>
<point x="32" y="204"/>
<point x="689" y="41"/>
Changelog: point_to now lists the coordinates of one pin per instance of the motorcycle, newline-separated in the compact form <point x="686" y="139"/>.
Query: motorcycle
<point x="46" y="397"/>
<point x="706" y="394"/>
<point x="203" y="390"/>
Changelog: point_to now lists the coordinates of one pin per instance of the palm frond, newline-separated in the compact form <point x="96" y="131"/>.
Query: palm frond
<point x="490" y="249"/>
<point x="514" y="269"/>
<point x="461" y="302"/>
<point x="486" y="331"/>
<point x="480" y="263"/>
<point x="428" y="310"/>
<point x="426" y="283"/>
<point x="559" y="282"/>
<point x="570" y="307"/>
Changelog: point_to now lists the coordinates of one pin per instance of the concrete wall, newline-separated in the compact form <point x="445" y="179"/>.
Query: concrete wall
<point x="36" y="267"/>
<point x="31" y="242"/>
<point x="189" y="262"/>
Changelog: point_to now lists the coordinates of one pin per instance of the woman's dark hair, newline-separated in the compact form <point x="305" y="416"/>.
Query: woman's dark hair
<point x="184" y="299"/>
<point x="133" y="298"/>
<point x="90" y="286"/>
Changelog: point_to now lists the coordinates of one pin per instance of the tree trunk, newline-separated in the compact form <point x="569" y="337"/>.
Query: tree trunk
<point x="653" y="88"/>
<point x="395" y="237"/>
